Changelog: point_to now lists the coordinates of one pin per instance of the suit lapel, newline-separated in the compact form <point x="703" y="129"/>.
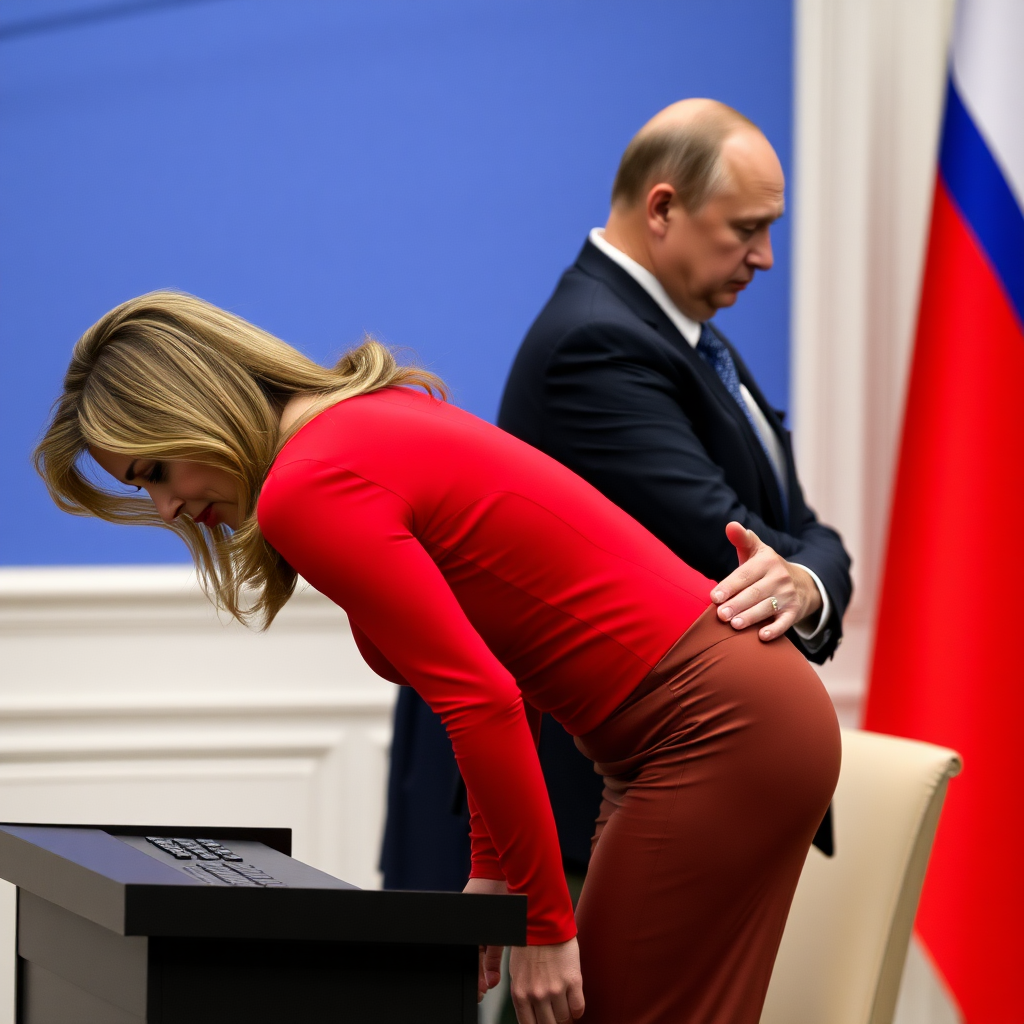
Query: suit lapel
<point x="594" y="263"/>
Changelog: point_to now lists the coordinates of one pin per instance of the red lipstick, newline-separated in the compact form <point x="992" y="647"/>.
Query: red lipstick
<point x="207" y="517"/>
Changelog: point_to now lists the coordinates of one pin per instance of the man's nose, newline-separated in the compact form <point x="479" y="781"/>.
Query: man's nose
<point x="760" y="255"/>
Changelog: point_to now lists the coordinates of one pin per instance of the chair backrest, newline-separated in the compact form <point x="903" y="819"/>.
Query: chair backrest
<point x="847" y="935"/>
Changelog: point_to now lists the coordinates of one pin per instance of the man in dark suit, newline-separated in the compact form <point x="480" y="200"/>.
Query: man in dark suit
<point x="623" y="379"/>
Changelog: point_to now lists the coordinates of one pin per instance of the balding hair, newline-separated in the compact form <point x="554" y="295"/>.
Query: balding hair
<point x="684" y="153"/>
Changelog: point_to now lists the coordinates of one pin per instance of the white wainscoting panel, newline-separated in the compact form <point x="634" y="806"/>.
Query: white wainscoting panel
<point x="124" y="698"/>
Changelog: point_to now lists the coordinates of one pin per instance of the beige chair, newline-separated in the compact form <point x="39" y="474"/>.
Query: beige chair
<point x="846" y="939"/>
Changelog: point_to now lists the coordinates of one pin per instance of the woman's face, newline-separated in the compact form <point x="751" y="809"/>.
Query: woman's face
<point x="205" y="494"/>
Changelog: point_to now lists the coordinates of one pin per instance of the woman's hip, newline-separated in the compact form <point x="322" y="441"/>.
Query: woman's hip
<point x="720" y="690"/>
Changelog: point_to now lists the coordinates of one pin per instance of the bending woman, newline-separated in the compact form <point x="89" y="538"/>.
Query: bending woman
<point x="499" y="585"/>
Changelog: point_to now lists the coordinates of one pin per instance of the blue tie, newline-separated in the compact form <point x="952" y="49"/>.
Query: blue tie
<point x="713" y="351"/>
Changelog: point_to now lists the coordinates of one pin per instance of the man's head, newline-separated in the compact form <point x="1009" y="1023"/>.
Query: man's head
<point x="694" y="197"/>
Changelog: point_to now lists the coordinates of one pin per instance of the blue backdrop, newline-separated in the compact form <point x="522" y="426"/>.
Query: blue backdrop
<point x="420" y="169"/>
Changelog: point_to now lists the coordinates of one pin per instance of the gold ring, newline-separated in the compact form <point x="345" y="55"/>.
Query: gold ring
<point x="775" y="605"/>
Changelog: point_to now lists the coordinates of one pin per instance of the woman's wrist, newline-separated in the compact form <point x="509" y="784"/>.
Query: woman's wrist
<point x="487" y="886"/>
<point x="546" y="981"/>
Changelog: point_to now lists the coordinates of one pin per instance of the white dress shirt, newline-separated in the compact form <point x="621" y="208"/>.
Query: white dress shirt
<point x="690" y="330"/>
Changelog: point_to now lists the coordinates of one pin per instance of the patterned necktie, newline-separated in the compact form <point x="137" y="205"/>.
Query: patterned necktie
<point x="713" y="351"/>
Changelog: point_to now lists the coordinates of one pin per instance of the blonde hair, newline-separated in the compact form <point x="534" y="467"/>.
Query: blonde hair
<point x="167" y="376"/>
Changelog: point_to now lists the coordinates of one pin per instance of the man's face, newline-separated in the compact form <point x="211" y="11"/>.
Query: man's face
<point x="706" y="258"/>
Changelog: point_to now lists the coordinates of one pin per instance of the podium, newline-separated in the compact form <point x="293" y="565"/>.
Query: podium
<point x="159" y="924"/>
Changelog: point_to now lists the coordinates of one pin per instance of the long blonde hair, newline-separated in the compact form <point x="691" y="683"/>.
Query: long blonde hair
<point x="167" y="376"/>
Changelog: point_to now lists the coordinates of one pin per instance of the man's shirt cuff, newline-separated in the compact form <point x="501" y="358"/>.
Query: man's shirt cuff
<point x="806" y="634"/>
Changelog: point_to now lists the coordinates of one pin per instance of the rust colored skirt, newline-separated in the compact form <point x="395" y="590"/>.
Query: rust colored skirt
<point x="718" y="769"/>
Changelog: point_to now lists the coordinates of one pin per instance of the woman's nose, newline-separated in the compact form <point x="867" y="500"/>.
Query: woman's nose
<point x="167" y="507"/>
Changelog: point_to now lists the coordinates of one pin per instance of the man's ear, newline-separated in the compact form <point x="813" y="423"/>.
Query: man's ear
<point x="659" y="199"/>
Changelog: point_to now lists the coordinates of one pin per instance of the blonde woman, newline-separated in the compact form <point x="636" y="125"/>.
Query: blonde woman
<point x="499" y="585"/>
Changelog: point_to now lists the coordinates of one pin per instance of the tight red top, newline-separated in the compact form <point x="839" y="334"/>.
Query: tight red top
<point x="495" y="582"/>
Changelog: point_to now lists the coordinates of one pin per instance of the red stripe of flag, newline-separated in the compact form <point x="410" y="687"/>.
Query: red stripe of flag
<point x="949" y="659"/>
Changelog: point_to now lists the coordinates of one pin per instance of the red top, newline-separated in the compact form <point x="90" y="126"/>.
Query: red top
<point x="484" y="574"/>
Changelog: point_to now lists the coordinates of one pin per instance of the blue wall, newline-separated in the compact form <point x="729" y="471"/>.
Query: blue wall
<point x="420" y="169"/>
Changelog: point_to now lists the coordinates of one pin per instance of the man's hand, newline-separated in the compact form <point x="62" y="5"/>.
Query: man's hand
<point x="489" y="971"/>
<point x="547" y="987"/>
<point x="745" y="596"/>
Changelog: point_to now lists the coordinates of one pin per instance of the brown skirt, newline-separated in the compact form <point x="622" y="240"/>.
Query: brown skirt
<point x="718" y="769"/>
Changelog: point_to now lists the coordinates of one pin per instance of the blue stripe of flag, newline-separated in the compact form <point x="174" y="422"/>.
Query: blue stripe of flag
<point x="981" y="192"/>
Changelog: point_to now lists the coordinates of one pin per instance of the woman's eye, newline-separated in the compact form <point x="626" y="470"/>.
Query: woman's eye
<point x="156" y="474"/>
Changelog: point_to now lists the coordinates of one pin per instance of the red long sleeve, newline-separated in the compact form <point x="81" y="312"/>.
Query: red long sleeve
<point x="485" y="860"/>
<point x="479" y="571"/>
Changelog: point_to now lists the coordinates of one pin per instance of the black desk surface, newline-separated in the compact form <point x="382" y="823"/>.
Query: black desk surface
<point x="110" y="875"/>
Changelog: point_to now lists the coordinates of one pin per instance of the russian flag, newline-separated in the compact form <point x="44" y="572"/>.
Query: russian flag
<point x="948" y="664"/>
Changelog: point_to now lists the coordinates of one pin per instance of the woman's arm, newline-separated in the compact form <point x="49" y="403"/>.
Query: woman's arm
<point x="353" y="540"/>
<point x="484" y="857"/>
<point x="546" y="980"/>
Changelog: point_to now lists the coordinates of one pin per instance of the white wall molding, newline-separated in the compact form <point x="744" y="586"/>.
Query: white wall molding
<point x="161" y="597"/>
<point x="869" y="88"/>
<point x="158" y="705"/>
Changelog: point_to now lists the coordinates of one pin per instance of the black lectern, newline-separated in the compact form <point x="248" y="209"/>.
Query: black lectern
<point x="125" y="924"/>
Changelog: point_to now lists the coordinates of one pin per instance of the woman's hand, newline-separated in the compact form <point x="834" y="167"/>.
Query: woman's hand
<point x="547" y="987"/>
<point x="489" y="972"/>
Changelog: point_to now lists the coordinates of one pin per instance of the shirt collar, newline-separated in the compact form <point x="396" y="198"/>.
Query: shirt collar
<point x="689" y="329"/>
